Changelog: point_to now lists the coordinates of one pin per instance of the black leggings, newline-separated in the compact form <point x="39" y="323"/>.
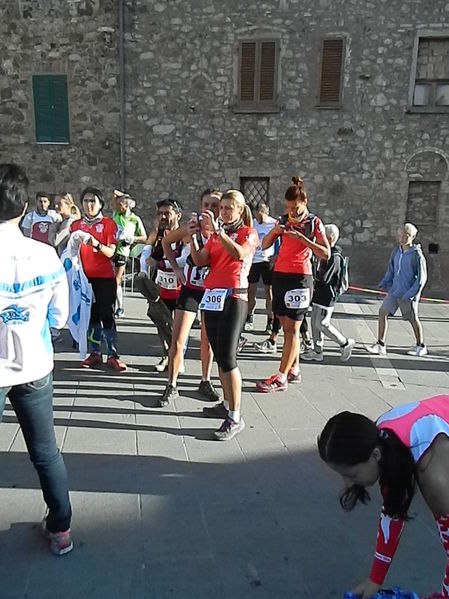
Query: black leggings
<point x="224" y="329"/>
<point x="105" y="294"/>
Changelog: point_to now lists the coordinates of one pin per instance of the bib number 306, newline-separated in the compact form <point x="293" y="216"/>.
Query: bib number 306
<point x="297" y="299"/>
<point x="214" y="299"/>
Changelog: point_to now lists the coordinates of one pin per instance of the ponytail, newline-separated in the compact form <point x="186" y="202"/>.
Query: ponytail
<point x="247" y="216"/>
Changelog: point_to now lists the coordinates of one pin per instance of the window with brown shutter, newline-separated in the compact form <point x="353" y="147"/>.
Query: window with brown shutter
<point x="257" y="75"/>
<point x="332" y="53"/>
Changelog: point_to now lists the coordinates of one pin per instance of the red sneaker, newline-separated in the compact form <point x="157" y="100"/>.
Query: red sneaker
<point x="93" y="360"/>
<point x="292" y="377"/>
<point x="116" y="364"/>
<point x="272" y="383"/>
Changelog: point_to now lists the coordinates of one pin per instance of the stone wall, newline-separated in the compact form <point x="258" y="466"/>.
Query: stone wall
<point x="77" y="38"/>
<point x="183" y="132"/>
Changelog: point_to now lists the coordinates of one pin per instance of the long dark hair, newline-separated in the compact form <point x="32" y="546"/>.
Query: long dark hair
<point x="349" y="439"/>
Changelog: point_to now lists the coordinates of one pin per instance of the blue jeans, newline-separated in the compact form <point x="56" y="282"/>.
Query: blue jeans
<point x="33" y="405"/>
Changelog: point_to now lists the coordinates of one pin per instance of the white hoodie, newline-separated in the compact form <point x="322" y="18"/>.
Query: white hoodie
<point x="33" y="298"/>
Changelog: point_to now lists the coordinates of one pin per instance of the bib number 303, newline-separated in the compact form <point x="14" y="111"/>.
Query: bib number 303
<point x="214" y="299"/>
<point x="297" y="299"/>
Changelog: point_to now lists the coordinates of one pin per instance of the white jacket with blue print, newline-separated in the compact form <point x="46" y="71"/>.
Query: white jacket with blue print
<point x="33" y="298"/>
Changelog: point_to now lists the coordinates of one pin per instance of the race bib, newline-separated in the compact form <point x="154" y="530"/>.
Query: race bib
<point x="297" y="299"/>
<point x="166" y="280"/>
<point x="214" y="299"/>
<point x="197" y="276"/>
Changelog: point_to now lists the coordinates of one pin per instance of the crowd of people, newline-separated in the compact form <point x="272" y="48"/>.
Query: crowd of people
<point x="210" y="265"/>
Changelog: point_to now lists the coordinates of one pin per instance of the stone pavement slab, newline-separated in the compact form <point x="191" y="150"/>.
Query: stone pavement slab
<point x="162" y="510"/>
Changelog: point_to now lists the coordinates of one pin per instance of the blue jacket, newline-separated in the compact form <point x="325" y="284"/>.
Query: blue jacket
<point x="406" y="273"/>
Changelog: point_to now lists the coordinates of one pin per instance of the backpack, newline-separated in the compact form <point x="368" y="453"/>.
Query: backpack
<point x="343" y="283"/>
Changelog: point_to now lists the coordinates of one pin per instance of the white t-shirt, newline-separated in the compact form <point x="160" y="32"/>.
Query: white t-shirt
<point x="262" y="229"/>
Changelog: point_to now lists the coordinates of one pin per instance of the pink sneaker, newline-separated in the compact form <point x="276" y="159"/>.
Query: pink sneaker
<point x="60" y="542"/>
<point x="116" y="364"/>
<point x="272" y="383"/>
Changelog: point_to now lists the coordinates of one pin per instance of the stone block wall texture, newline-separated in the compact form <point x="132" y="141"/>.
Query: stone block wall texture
<point x="360" y="162"/>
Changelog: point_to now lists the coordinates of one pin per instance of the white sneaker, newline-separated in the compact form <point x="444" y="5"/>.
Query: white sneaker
<point x="418" y="350"/>
<point x="377" y="348"/>
<point x="162" y="364"/>
<point x="249" y="325"/>
<point x="310" y="355"/>
<point x="346" y="351"/>
<point x="266" y="347"/>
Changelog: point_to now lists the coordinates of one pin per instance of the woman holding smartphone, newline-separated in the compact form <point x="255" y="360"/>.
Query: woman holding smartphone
<point x="228" y="253"/>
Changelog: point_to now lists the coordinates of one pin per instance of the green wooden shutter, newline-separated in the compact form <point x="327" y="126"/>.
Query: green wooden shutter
<point x="51" y="108"/>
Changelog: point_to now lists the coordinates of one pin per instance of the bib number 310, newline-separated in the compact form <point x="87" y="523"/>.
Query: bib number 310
<point x="214" y="299"/>
<point x="297" y="299"/>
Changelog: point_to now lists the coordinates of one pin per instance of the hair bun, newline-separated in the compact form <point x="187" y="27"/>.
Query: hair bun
<point x="297" y="181"/>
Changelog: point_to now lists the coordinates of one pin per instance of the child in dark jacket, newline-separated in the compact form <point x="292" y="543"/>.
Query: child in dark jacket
<point x="327" y="290"/>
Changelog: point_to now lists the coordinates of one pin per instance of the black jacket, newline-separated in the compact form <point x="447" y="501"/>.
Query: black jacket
<point x="328" y="276"/>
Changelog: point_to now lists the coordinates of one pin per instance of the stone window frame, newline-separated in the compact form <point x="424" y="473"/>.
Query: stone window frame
<point x="48" y="73"/>
<point x="257" y="106"/>
<point x="247" y="179"/>
<point x="420" y="35"/>
<point x="320" y="102"/>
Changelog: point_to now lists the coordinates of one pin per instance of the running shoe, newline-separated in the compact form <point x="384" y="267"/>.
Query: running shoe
<point x="249" y="324"/>
<point x="95" y="359"/>
<point x="207" y="391"/>
<point x="305" y="345"/>
<point x="418" y="351"/>
<point x="292" y="377"/>
<point x="119" y="313"/>
<point x="218" y="411"/>
<point x="170" y="394"/>
<point x="272" y="383"/>
<point x="346" y="350"/>
<point x="60" y="542"/>
<point x="377" y="348"/>
<point x="266" y="347"/>
<point x="162" y="364"/>
<point x="242" y="343"/>
<point x="311" y="354"/>
<point x="229" y="429"/>
<point x="114" y="363"/>
<point x="269" y="327"/>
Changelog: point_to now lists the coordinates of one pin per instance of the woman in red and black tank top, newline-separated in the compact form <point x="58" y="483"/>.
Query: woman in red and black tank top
<point x="302" y="235"/>
<point x="228" y="252"/>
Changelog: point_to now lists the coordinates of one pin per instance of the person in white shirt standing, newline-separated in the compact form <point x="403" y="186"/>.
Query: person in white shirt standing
<point x="33" y="298"/>
<point x="262" y="266"/>
<point x="37" y="224"/>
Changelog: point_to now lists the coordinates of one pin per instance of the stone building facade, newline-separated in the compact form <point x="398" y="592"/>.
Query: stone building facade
<point x="156" y="104"/>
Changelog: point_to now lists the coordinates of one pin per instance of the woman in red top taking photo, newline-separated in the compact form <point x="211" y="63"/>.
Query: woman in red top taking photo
<point x="302" y="235"/>
<point x="228" y="252"/>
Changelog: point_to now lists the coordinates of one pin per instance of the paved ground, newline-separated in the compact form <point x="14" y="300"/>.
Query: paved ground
<point x="161" y="510"/>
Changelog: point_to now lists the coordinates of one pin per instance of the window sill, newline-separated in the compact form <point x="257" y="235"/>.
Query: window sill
<point x="52" y="143"/>
<point x="329" y="106"/>
<point x="427" y="110"/>
<point x="256" y="109"/>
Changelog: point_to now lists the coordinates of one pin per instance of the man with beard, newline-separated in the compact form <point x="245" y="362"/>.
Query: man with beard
<point x="37" y="224"/>
<point x="161" y="287"/>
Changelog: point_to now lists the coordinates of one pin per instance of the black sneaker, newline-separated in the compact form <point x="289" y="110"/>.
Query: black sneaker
<point x="207" y="391"/>
<point x="269" y="327"/>
<point x="229" y="429"/>
<point x="218" y="411"/>
<point x="170" y="394"/>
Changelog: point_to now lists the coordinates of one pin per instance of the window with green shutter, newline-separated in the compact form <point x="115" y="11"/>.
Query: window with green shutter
<point x="332" y="54"/>
<point x="257" y="75"/>
<point x="51" y="108"/>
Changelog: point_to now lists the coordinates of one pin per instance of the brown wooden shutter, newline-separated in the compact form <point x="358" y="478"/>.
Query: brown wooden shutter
<point x="331" y="68"/>
<point x="247" y="71"/>
<point x="267" y="71"/>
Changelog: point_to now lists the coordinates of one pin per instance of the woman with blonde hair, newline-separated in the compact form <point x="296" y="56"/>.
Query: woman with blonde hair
<point x="228" y="253"/>
<point x="69" y="211"/>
